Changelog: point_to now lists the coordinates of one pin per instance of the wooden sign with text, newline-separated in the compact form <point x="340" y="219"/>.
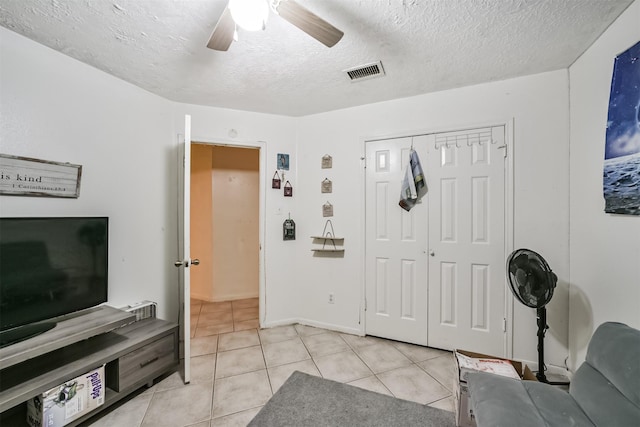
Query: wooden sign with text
<point x="23" y="176"/>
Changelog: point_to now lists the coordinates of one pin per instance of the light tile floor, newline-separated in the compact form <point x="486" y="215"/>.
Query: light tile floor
<point x="236" y="367"/>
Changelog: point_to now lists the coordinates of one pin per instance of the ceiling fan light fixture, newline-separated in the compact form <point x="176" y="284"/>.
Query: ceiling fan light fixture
<point x="250" y="15"/>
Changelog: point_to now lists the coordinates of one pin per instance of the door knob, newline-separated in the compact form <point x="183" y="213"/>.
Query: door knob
<point x="186" y="263"/>
<point x="432" y="253"/>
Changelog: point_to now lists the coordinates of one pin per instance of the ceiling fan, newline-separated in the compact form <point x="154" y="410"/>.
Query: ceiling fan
<point x="252" y="15"/>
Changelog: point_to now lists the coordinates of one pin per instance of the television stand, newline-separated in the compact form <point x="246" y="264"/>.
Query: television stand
<point x="134" y="355"/>
<point x="21" y="333"/>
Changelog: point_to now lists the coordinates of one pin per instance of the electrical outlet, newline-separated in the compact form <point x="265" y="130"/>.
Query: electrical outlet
<point x="332" y="298"/>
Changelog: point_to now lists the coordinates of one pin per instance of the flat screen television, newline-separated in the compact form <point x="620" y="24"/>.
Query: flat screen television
<point x="49" y="267"/>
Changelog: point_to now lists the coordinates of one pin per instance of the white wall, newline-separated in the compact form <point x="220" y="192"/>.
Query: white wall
<point x="539" y="106"/>
<point x="201" y="223"/>
<point x="235" y="177"/>
<point x="604" y="248"/>
<point x="56" y="108"/>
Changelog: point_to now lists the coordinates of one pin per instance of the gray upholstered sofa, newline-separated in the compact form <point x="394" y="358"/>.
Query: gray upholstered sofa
<point x="605" y="390"/>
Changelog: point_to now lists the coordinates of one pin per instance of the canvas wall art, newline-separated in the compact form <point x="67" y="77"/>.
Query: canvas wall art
<point x="283" y="162"/>
<point x="621" y="177"/>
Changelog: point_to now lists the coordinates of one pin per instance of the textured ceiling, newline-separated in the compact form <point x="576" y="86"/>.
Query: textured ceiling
<point x="424" y="45"/>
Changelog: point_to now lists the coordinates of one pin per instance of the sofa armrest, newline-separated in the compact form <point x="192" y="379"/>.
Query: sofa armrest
<point x="601" y="400"/>
<point x="613" y="352"/>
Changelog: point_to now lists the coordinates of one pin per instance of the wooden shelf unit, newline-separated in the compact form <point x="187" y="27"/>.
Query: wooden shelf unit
<point x="134" y="355"/>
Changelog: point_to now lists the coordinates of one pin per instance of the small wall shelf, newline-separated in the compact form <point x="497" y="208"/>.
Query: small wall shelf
<point x="329" y="237"/>
<point x="328" y="250"/>
<point x="332" y="247"/>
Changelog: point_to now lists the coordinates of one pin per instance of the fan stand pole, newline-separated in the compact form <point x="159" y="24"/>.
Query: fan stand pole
<point x="542" y="328"/>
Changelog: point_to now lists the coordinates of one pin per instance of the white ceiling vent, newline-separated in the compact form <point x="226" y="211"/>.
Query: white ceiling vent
<point x="365" y="72"/>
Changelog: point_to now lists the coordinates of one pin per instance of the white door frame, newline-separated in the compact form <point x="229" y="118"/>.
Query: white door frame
<point x="508" y="202"/>
<point x="262" y="146"/>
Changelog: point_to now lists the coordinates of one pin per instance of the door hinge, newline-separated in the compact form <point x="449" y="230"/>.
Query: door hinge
<point x="365" y="304"/>
<point x="504" y="324"/>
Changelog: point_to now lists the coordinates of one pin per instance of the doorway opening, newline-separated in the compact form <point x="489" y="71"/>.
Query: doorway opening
<point x="225" y="237"/>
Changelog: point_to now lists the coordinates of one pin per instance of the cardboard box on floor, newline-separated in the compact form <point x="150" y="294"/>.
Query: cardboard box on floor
<point x="464" y="413"/>
<point x="67" y="402"/>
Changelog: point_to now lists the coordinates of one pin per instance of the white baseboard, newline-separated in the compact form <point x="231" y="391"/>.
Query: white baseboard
<point x="307" y="322"/>
<point x="201" y="297"/>
<point x="330" y="326"/>
<point x="276" y="323"/>
<point x="230" y="297"/>
<point x="233" y="297"/>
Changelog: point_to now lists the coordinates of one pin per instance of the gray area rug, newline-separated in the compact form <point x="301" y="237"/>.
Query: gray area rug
<point x="305" y="400"/>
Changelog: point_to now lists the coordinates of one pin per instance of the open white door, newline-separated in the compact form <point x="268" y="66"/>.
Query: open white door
<point x="184" y="254"/>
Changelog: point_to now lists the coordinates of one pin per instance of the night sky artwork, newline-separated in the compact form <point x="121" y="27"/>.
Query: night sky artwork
<point x="621" y="180"/>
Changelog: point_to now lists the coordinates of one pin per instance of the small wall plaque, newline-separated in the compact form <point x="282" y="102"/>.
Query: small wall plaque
<point x="326" y="186"/>
<point x="275" y="181"/>
<point x="327" y="209"/>
<point x="327" y="162"/>
<point x="288" y="229"/>
<point x="23" y="176"/>
<point x="288" y="189"/>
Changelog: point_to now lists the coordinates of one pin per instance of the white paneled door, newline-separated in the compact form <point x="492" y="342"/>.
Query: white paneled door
<point x="396" y="264"/>
<point x="452" y="245"/>
<point x="467" y="241"/>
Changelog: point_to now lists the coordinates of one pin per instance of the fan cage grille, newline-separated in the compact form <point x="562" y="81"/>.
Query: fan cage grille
<point x="533" y="296"/>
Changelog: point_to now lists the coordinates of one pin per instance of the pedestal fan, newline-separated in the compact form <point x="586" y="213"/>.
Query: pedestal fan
<point x="533" y="282"/>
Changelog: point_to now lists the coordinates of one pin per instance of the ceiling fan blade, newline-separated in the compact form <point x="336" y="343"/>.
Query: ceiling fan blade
<point x="309" y="22"/>
<point x="222" y="35"/>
